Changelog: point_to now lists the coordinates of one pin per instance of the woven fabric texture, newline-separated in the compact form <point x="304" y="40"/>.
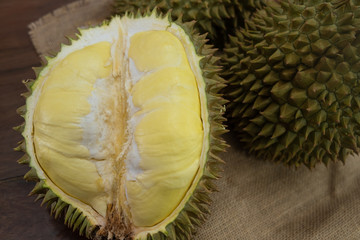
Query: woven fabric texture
<point x="257" y="199"/>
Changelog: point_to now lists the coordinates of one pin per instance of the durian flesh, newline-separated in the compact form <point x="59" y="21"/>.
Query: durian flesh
<point x="117" y="125"/>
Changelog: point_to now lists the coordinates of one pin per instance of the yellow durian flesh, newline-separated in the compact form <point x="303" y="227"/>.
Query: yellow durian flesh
<point x="58" y="119"/>
<point x="148" y="142"/>
<point x="169" y="130"/>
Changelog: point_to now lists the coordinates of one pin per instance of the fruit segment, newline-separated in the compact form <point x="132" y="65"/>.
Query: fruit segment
<point x="61" y="128"/>
<point x="168" y="132"/>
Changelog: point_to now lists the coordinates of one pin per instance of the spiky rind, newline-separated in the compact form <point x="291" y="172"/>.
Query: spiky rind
<point x="293" y="78"/>
<point x="73" y="217"/>
<point x="217" y="18"/>
<point x="57" y="206"/>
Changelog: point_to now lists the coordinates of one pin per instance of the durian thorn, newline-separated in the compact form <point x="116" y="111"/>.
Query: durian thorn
<point x="37" y="71"/>
<point x="71" y="39"/>
<point x="155" y="12"/>
<point x="69" y="212"/>
<point x="21" y="147"/>
<point x="218" y="159"/>
<point x="204" y="209"/>
<point x="170" y="229"/>
<point x="198" y="220"/>
<point x="28" y="83"/>
<point x="39" y="188"/>
<point x="48" y="58"/>
<point x="31" y="175"/>
<point x="202" y="198"/>
<point x="74" y="217"/>
<point x="78" y="222"/>
<point x="182" y="229"/>
<point x="52" y="208"/>
<point x="50" y="197"/>
<point x="191" y="207"/>
<point x="89" y="230"/>
<point x="20" y="128"/>
<point x="184" y="219"/>
<point x="210" y="185"/>
<point x="208" y="173"/>
<point x="21" y="110"/>
<point x="25" y="94"/>
<point x="158" y="236"/>
<point x="39" y="196"/>
<point x="83" y="226"/>
<point x="25" y="159"/>
<point x="60" y="205"/>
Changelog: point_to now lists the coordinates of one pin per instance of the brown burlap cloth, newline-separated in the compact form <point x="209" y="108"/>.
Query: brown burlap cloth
<point x="257" y="199"/>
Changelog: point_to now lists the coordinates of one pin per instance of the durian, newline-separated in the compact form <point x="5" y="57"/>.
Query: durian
<point x="293" y="76"/>
<point x="122" y="129"/>
<point x="217" y="18"/>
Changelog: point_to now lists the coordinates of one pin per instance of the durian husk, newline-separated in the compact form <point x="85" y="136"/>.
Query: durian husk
<point x="279" y="67"/>
<point x="196" y="208"/>
<point x="217" y="18"/>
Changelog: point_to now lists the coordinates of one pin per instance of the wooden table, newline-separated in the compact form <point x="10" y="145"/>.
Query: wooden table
<point x="20" y="216"/>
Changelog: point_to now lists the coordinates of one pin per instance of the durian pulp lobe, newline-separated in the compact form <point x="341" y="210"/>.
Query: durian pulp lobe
<point x="169" y="130"/>
<point x="70" y="130"/>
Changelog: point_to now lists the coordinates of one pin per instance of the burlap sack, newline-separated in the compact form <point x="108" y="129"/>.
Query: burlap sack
<point x="257" y="199"/>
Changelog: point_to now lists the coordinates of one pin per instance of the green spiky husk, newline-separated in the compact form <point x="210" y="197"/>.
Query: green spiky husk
<point x="293" y="78"/>
<point x="196" y="208"/>
<point x="217" y="18"/>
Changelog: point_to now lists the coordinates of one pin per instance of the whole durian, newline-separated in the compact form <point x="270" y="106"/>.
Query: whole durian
<point x="122" y="130"/>
<point x="293" y="77"/>
<point x="218" y="18"/>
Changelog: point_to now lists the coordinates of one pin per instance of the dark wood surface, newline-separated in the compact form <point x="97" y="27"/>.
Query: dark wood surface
<point x="20" y="216"/>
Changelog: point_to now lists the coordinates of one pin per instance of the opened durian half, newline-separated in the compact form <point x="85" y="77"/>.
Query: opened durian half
<point x="122" y="130"/>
